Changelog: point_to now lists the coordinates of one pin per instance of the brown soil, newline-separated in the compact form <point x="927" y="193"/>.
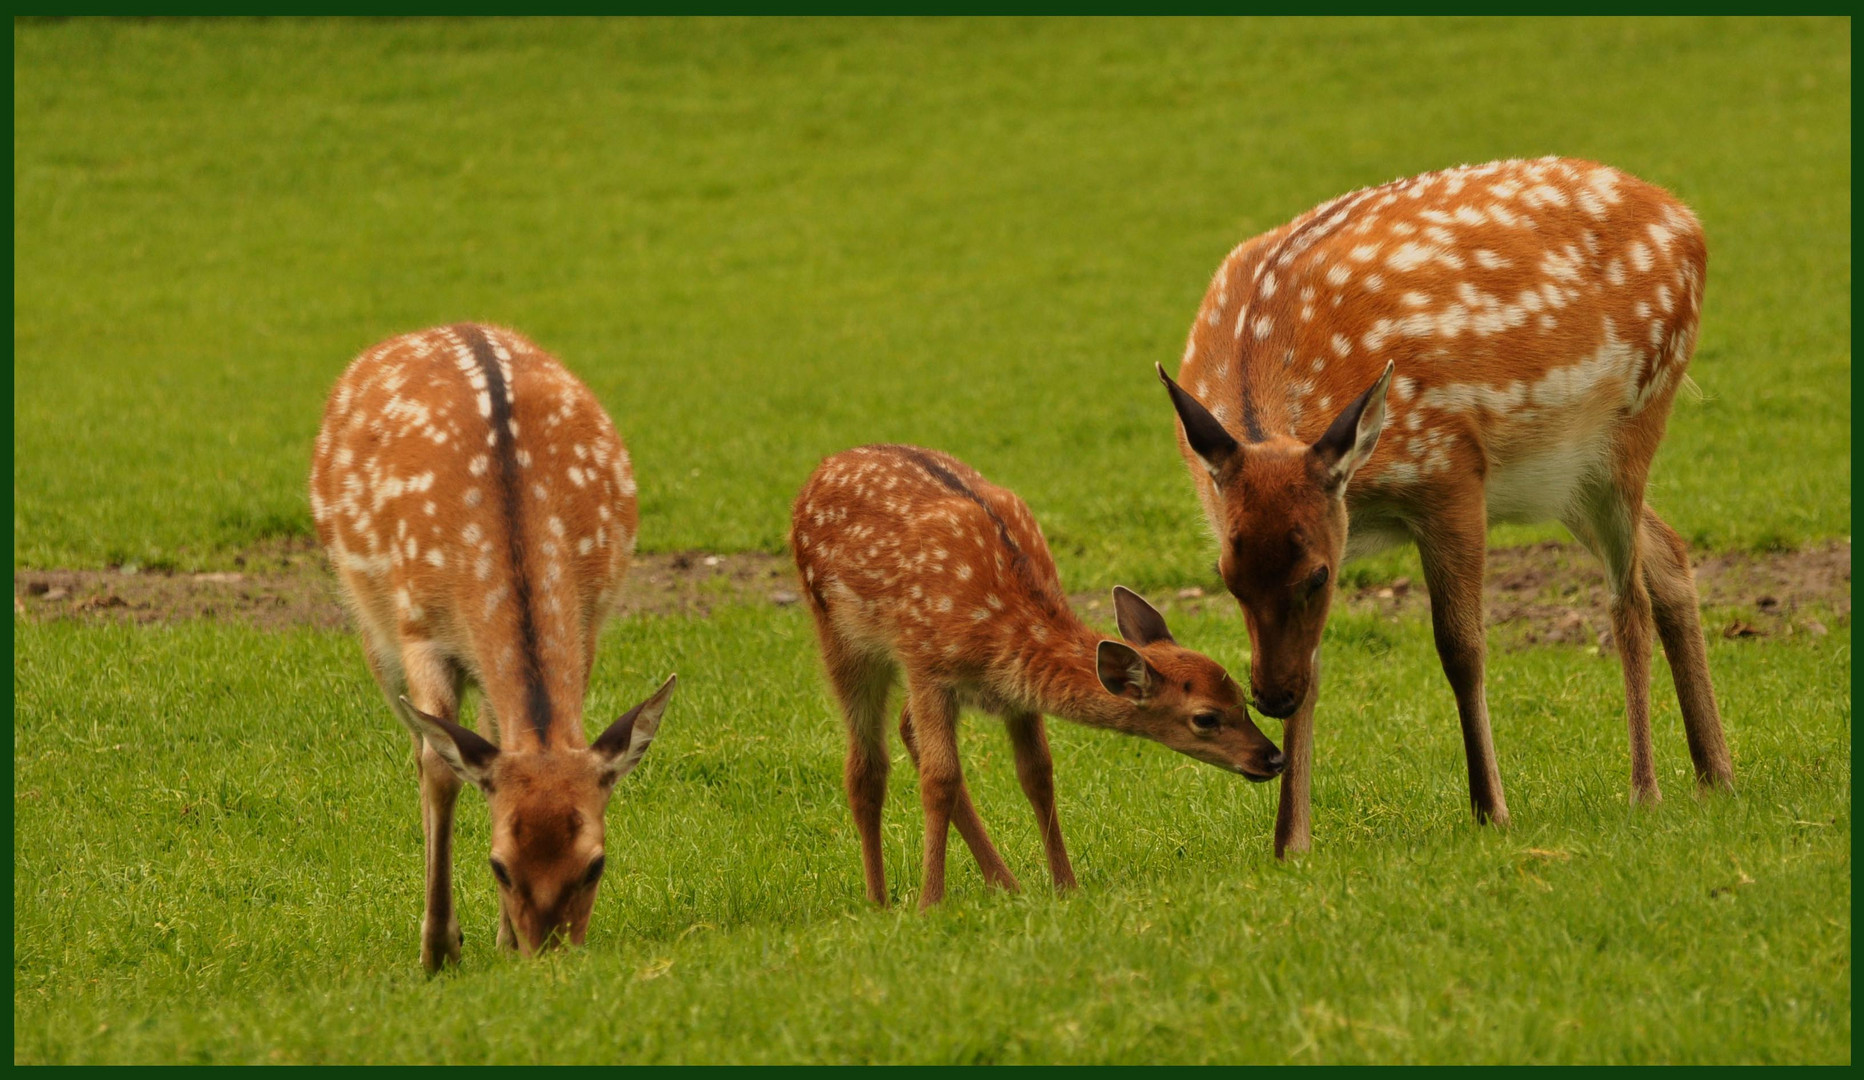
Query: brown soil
<point x="1540" y="593"/>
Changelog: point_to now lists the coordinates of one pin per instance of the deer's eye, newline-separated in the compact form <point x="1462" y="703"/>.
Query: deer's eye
<point x="1317" y="580"/>
<point x="594" y="873"/>
<point x="503" y="875"/>
<point x="1207" y="721"/>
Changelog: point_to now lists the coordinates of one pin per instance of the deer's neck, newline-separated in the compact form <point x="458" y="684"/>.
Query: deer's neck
<point x="1057" y="673"/>
<point x="518" y="706"/>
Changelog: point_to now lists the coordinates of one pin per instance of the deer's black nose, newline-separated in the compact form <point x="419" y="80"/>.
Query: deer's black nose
<point x="1281" y="706"/>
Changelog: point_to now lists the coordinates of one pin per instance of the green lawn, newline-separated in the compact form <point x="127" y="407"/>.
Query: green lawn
<point x="762" y="242"/>
<point x="218" y="859"/>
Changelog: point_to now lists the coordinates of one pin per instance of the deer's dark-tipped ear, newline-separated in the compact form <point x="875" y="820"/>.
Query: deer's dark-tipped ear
<point x="625" y="742"/>
<point x="469" y="755"/>
<point x="1209" y="441"/>
<point x="1354" y="434"/>
<point x="1123" y="671"/>
<point x="1139" y="622"/>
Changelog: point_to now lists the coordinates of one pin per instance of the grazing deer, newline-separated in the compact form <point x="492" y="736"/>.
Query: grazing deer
<point x="1493" y="343"/>
<point x="911" y="559"/>
<point x="478" y="508"/>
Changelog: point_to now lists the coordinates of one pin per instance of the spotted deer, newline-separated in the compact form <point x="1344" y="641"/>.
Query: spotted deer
<point x="911" y="560"/>
<point x="479" y="511"/>
<point x="1492" y="343"/>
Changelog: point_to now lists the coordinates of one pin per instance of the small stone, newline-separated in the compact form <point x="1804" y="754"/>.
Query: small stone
<point x="711" y="560"/>
<point x="221" y="578"/>
<point x="57" y="594"/>
<point x="131" y="568"/>
<point x="1739" y="629"/>
<point x="1816" y="628"/>
<point x="784" y="599"/>
<point x="1400" y="586"/>
<point x="1191" y="592"/>
<point x="1386" y="594"/>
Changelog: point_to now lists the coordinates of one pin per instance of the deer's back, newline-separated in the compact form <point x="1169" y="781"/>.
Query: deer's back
<point x="911" y="551"/>
<point x="1530" y="308"/>
<point x="471" y="492"/>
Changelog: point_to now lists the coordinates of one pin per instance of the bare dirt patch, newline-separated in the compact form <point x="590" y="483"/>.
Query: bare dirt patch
<point x="1540" y="593"/>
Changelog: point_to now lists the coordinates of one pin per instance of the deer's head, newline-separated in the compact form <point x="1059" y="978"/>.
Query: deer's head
<point x="1180" y="698"/>
<point x="1282" y="530"/>
<point x="547" y="810"/>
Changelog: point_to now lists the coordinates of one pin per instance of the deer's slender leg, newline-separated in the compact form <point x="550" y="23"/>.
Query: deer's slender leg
<point x="1293" y="811"/>
<point x="861" y="683"/>
<point x="1035" y="768"/>
<point x="941" y="778"/>
<point x="1609" y="521"/>
<point x="1454" y="551"/>
<point x="964" y="815"/>
<point x="433" y="686"/>
<point x="1674" y="601"/>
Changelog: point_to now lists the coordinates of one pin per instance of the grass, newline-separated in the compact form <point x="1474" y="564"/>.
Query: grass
<point x="761" y="242"/>
<point x="189" y="885"/>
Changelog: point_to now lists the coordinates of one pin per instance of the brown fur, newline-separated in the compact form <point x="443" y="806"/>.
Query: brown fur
<point x="473" y="554"/>
<point x="1539" y="316"/>
<point x="913" y="561"/>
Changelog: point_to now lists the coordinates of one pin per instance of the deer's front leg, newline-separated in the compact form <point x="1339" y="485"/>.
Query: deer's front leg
<point x="964" y="815"/>
<point x="935" y="731"/>
<point x="440" y="926"/>
<point x="1293" y="821"/>
<point x="1035" y="768"/>
<point x="1454" y="549"/>
<point x="434" y="688"/>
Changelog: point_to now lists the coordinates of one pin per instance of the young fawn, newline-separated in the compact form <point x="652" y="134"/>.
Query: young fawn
<point x="912" y="560"/>
<point x="478" y="508"/>
<point x="1516" y="331"/>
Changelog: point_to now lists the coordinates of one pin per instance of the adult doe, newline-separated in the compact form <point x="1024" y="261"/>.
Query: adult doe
<point x="912" y="560"/>
<point x="479" y="511"/>
<point x="1424" y="358"/>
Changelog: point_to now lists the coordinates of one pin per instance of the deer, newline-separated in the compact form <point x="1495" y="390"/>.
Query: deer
<point x="911" y="561"/>
<point x="1416" y="361"/>
<point x="478" y="509"/>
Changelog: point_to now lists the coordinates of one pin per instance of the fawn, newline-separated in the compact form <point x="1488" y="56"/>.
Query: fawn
<point x="479" y="510"/>
<point x="1493" y="343"/>
<point x="910" y="559"/>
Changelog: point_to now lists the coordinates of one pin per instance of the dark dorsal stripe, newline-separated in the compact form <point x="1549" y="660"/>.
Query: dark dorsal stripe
<point x="511" y="493"/>
<point x="1252" y="421"/>
<point x="1018" y="560"/>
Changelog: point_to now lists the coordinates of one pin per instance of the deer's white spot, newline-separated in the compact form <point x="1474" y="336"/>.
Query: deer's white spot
<point x="1411" y="255"/>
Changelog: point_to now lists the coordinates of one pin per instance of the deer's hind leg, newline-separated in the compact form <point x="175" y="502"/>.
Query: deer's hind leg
<point x="861" y="682"/>
<point x="1674" y="602"/>
<point x="964" y="815"/>
<point x="1608" y="519"/>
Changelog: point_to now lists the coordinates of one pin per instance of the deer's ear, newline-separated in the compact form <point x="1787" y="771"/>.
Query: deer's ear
<point x="1139" y="622"/>
<point x="1209" y="441"/>
<point x="1354" y="434"/>
<point x="625" y="742"/>
<point x="468" y="754"/>
<point x="1123" y="671"/>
